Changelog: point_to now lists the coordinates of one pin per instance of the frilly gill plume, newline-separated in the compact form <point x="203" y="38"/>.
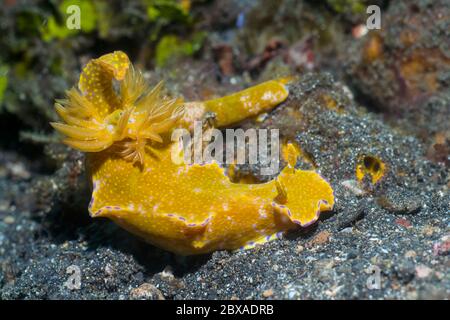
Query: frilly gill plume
<point x="96" y="118"/>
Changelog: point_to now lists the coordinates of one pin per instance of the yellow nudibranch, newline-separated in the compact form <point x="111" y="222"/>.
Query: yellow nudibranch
<point x="186" y="209"/>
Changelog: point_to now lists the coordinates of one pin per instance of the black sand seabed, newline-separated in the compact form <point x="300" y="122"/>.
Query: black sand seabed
<point x="400" y="229"/>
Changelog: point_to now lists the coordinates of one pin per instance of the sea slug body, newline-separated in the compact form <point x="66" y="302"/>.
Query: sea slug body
<point x="184" y="208"/>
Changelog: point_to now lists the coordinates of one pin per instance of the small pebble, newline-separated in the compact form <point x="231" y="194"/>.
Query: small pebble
<point x="9" y="220"/>
<point x="320" y="239"/>
<point x="403" y="222"/>
<point x="268" y="293"/>
<point x="410" y="254"/>
<point x="423" y="271"/>
<point x="352" y="254"/>
<point x="146" y="291"/>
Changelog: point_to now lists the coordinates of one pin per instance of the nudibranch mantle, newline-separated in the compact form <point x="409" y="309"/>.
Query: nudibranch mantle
<point x="184" y="208"/>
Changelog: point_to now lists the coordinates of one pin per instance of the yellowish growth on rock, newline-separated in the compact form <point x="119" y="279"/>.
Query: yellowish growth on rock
<point x="373" y="49"/>
<point x="372" y="166"/>
<point x="291" y="153"/>
<point x="332" y="104"/>
<point x="187" y="209"/>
